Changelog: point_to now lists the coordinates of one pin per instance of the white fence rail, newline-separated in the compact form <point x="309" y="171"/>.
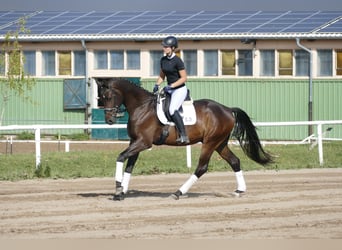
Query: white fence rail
<point x="37" y="129"/>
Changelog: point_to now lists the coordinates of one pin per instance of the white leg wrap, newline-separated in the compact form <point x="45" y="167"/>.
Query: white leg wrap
<point x="125" y="182"/>
<point x="241" y="185"/>
<point x="119" y="171"/>
<point x="188" y="184"/>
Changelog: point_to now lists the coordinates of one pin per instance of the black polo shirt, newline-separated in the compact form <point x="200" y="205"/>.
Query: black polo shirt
<point x="171" y="68"/>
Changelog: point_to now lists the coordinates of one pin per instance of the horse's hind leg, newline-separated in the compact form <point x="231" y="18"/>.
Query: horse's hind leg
<point x="234" y="162"/>
<point x="202" y="168"/>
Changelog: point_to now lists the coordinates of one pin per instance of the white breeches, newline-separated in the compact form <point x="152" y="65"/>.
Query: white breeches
<point x="177" y="98"/>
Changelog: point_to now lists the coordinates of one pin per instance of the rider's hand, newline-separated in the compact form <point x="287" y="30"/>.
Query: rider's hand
<point x="155" y="88"/>
<point x="168" y="89"/>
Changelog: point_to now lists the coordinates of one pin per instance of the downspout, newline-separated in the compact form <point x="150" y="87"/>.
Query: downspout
<point x="310" y="82"/>
<point x="87" y="113"/>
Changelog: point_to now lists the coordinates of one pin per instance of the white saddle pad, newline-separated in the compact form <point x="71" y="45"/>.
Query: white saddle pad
<point x="188" y="114"/>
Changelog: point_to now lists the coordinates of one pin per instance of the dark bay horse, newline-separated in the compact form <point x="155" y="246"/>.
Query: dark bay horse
<point x="215" y="124"/>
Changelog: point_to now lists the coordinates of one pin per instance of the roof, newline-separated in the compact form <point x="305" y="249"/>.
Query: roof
<point x="153" y="25"/>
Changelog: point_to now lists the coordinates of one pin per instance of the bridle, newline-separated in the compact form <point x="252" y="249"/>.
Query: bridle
<point x="113" y="111"/>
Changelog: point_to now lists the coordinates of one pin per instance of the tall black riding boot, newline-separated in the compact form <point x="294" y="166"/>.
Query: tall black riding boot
<point x="177" y="119"/>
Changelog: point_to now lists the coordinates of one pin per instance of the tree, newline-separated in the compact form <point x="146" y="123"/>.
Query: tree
<point x="14" y="81"/>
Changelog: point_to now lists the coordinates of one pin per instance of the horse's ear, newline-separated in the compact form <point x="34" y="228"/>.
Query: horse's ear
<point x="100" y="82"/>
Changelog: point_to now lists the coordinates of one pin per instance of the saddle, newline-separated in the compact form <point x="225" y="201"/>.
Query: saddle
<point x="187" y="110"/>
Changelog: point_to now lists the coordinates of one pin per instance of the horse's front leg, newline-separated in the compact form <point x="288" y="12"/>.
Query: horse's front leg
<point x="122" y="179"/>
<point x="131" y="153"/>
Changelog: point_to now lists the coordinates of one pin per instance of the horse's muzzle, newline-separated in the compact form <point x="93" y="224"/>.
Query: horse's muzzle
<point x="110" y="115"/>
<point x="110" y="121"/>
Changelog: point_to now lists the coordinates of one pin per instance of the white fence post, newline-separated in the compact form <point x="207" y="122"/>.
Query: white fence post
<point x="320" y="144"/>
<point x="188" y="156"/>
<point x="67" y="146"/>
<point x="37" y="142"/>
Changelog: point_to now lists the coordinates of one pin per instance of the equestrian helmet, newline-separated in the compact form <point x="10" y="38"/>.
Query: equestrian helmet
<point x="170" y="41"/>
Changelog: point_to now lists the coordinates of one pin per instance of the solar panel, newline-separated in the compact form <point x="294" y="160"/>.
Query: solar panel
<point x="10" y="16"/>
<point x="178" y="22"/>
<point x="334" y="27"/>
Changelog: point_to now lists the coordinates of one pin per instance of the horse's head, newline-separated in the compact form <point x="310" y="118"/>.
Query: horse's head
<point x="111" y="99"/>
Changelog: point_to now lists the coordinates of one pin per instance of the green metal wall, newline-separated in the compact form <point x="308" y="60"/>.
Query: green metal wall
<point x="274" y="100"/>
<point x="46" y="108"/>
<point x="265" y="100"/>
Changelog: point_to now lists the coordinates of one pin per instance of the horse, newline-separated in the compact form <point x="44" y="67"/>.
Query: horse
<point x="214" y="126"/>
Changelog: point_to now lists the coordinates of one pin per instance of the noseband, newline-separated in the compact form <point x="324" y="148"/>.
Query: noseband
<point x="113" y="111"/>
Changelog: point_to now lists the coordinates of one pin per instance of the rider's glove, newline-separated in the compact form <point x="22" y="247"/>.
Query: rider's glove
<point x="155" y="88"/>
<point x="168" y="89"/>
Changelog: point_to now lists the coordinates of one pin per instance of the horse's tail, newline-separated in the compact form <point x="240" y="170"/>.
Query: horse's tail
<point x="248" y="138"/>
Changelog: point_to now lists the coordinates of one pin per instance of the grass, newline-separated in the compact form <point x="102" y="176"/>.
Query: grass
<point x="76" y="164"/>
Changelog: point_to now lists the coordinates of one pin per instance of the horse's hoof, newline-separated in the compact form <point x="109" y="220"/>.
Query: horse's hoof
<point x="174" y="196"/>
<point x="238" y="193"/>
<point x="119" y="197"/>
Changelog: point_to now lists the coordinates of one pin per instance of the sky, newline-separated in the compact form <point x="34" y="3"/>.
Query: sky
<point x="170" y="5"/>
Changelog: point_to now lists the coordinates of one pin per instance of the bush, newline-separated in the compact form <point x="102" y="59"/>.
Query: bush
<point x="76" y="137"/>
<point x="25" y="136"/>
<point x="42" y="172"/>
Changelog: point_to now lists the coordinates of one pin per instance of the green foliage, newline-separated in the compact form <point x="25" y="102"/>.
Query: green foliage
<point x="76" y="137"/>
<point x="41" y="171"/>
<point x="76" y="164"/>
<point x="14" y="80"/>
<point x="25" y="136"/>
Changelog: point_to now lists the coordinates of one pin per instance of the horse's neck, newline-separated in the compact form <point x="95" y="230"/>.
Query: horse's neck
<point x="135" y="99"/>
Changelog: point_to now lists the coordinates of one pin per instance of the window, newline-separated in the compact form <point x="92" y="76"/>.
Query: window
<point x="133" y="59"/>
<point x="30" y="62"/>
<point x="2" y="63"/>
<point x="117" y="59"/>
<point x="210" y="63"/>
<point x="245" y="63"/>
<point x="48" y="63"/>
<point x="267" y="64"/>
<point x="155" y="57"/>
<point x="339" y="63"/>
<point x="101" y="59"/>
<point x="2" y="70"/>
<point x="14" y="62"/>
<point x="228" y="62"/>
<point x="285" y="64"/>
<point x="79" y="63"/>
<point x="324" y="62"/>
<point x="302" y="63"/>
<point x="190" y="61"/>
<point x="64" y="63"/>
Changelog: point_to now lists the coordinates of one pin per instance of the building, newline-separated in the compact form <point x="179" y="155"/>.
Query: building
<point x="278" y="66"/>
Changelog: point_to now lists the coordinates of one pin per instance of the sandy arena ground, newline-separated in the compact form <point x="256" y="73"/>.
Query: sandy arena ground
<point x="294" y="204"/>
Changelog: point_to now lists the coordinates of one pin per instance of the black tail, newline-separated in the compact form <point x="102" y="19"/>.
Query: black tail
<point x="245" y="132"/>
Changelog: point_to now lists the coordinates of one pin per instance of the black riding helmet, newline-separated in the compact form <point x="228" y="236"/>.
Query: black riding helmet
<point x="170" y="41"/>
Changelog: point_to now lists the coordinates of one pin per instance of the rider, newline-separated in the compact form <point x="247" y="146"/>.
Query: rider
<point x="172" y="67"/>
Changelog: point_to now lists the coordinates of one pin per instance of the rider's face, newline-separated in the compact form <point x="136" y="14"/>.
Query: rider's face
<point x="167" y="50"/>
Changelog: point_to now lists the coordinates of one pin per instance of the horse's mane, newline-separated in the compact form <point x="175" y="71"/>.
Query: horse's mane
<point x="129" y="85"/>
